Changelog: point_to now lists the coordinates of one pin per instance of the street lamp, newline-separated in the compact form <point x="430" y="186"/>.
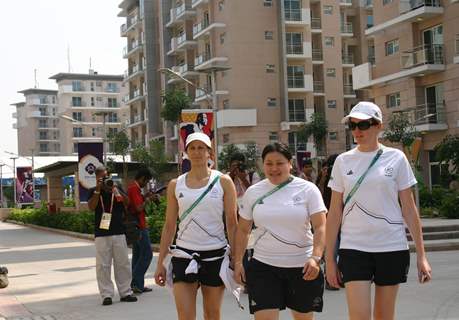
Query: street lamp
<point x="212" y="103"/>
<point x="33" y="168"/>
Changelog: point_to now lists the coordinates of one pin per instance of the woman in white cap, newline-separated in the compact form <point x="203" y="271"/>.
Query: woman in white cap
<point x="368" y="185"/>
<point x="284" y="271"/>
<point x="199" y="199"/>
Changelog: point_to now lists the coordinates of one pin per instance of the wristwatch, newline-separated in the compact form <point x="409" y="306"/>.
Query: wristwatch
<point x="316" y="258"/>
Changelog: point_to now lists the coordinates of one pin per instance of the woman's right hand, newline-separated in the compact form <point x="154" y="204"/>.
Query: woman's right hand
<point x="333" y="274"/>
<point x="239" y="273"/>
<point x="160" y="275"/>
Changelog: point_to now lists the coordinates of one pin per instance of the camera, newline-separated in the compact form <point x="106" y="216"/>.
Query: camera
<point x="108" y="182"/>
<point x="242" y="166"/>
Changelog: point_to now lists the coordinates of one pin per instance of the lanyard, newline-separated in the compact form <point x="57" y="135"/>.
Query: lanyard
<point x="277" y="188"/>
<point x="111" y="204"/>
<point x="359" y="182"/>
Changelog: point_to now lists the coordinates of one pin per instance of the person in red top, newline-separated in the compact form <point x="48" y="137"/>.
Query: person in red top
<point x="141" y="249"/>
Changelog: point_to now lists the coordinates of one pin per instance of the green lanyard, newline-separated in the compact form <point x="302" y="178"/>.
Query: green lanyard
<point x="359" y="182"/>
<point x="277" y="188"/>
<point x="187" y="211"/>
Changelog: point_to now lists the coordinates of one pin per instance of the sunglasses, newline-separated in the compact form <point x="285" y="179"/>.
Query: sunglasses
<point x="362" y="125"/>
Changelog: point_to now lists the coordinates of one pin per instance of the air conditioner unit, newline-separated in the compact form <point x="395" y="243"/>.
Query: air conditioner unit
<point x="285" y="126"/>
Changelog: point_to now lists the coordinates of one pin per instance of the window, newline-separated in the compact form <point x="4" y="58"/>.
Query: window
<point x="222" y="38"/>
<point x="77" y="132"/>
<point x="331" y="72"/>
<point x="75" y="148"/>
<point x="391" y="47"/>
<point x="42" y="111"/>
<point x="112" y="87"/>
<point x="76" y="86"/>
<point x="369" y="21"/>
<point x="76" y="102"/>
<point x="226" y="137"/>
<point x="98" y="83"/>
<point x="221" y="5"/>
<point x="329" y="42"/>
<point x="294" y="42"/>
<point x="393" y="100"/>
<point x="271" y="102"/>
<point x="43" y="135"/>
<point x="43" y="147"/>
<point x="54" y="123"/>
<point x="92" y="101"/>
<point x="53" y="99"/>
<point x="269" y="35"/>
<point x="112" y="131"/>
<point x="42" y="123"/>
<point x="270" y="68"/>
<point x="328" y="10"/>
<point x="112" y="103"/>
<point x="384" y="2"/>
<point x="77" y="116"/>
<point x="226" y="104"/>
<point x="333" y="135"/>
<point x="268" y="3"/>
<point x="53" y="112"/>
<point x="296" y="110"/>
<point x="331" y="103"/>
<point x="295" y="76"/>
<point x="94" y="132"/>
<point x="92" y="86"/>
<point x="112" y="117"/>
<point x="99" y="99"/>
<point x="273" y="137"/>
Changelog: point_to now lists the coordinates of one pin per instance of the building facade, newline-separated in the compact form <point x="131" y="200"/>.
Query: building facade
<point x="414" y="69"/>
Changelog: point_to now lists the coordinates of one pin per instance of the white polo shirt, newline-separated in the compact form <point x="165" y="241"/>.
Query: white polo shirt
<point x="283" y="236"/>
<point x="372" y="220"/>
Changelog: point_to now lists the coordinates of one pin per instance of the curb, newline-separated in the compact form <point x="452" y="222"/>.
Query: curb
<point x="78" y="235"/>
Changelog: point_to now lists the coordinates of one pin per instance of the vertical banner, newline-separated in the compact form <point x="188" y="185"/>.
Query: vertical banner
<point x="90" y="155"/>
<point x="195" y="120"/>
<point x="301" y="157"/>
<point x="24" y="185"/>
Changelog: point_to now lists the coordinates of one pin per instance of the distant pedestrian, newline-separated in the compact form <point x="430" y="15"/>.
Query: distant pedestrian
<point x="110" y="240"/>
<point x="141" y="249"/>
<point x="308" y="173"/>
<point x="369" y="183"/>
<point x="284" y="271"/>
<point x="201" y="200"/>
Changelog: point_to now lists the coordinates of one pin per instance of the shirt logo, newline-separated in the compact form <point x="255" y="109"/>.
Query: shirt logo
<point x="296" y="200"/>
<point x="389" y="171"/>
<point x="214" y="193"/>
<point x="180" y="195"/>
<point x="350" y="172"/>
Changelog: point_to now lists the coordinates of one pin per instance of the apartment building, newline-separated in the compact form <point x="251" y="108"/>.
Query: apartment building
<point x="413" y="68"/>
<point x="37" y="123"/>
<point x="142" y="80"/>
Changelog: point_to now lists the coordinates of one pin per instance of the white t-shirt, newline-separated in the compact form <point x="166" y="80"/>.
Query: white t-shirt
<point x="372" y="220"/>
<point x="203" y="228"/>
<point x="283" y="236"/>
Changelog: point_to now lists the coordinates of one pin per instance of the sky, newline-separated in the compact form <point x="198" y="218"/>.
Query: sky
<point x="37" y="34"/>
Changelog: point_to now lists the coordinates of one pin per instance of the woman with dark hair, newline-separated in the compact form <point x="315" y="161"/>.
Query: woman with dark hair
<point x="285" y="268"/>
<point x="369" y="183"/>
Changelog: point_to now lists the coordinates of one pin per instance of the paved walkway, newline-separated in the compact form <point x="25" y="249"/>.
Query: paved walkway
<point x="52" y="277"/>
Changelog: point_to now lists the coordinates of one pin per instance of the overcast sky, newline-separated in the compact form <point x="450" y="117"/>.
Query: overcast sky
<point x="36" y="35"/>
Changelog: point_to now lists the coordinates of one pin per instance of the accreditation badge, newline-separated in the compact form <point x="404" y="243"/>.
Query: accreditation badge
<point x="105" y="221"/>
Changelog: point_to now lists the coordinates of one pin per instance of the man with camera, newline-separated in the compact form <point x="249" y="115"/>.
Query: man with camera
<point x="108" y="203"/>
<point x="241" y="177"/>
<point x="141" y="249"/>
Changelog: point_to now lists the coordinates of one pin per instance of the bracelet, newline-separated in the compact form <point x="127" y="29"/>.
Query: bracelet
<point x="97" y="192"/>
<point x="238" y="262"/>
<point x="316" y="258"/>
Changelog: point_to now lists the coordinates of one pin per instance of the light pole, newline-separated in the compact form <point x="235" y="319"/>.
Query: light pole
<point x="33" y="168"/>
<point x="213" y="104"/>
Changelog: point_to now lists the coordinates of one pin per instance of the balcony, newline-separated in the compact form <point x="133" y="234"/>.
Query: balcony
<point x="14" y="115"/>
<point x="205" y="61"/>
<point x="319" y="88"/>
<point x="410" y="11"/>
<point x="348" y="60"/>
<point x="414" y="63"/>
<point x="185" y="71"/>
<point x="133" y="48"/>
<point x="316" y="25"/>
<point x="348" y="91"/>
<point x="346" y="29"/>
<point x="369" y="4"/>
<point x="230" y="118"/>
<point x="197" y="3"/>
<point x="299" y="50"/>
<point x="134" y="96"/>
<point x="299" y="83"/>
<point x="427" y="117"/>
<point x="204" y="28"/>
<point x="135" y="71"/>
<point x="345" y="3"/>
<point x="297" y="116"/>
<point x="180" y="14"/>
<point x="297" y="17"/>
<point x="183" y="43"/>
<point x="200" y="94"/>
<point x="317" y="56"/>
<point x="456" y="51"/>
<point x="129" y="25"/>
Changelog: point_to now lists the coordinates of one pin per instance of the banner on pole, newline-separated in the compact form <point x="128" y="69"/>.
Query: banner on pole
<point x="24" y="185"/>
<point x="194" y="120"/>
<point x="90" y="156"/>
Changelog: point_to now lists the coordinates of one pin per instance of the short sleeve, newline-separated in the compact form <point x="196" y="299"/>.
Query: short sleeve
<point x="405" y="177"/>
<point x="135" y="198"/>
<point x="245" y="209"/>
<point x="336" y="177"/>
<point x="255" y="178"/>
<point x="315" y="203"/>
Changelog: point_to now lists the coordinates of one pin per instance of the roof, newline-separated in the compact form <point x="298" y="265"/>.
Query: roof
<point x="86" y="76"/>
<point x="18" y="104"/>
<point x="37" y="91"/>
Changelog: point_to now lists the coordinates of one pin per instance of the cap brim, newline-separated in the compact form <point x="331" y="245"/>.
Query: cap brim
<point x="357" y="115"/>
<point x="197" y="139"/>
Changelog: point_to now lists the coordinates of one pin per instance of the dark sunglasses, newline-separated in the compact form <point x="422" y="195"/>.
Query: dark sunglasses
<point x="362" y="125"/>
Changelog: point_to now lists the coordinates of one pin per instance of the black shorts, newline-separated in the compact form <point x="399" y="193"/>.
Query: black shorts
<point x="383" y="268"/>
<point x="208" y="272"/>
<point x="277" y="288"/>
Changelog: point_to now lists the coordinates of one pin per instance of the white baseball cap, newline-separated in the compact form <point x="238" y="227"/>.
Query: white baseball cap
<point x="204" y="138"/>
<point x="364" y="110"/>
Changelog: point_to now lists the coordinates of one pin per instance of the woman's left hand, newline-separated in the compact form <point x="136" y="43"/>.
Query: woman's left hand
<point x="424" y="270"/>
<point x="311" y="269"/>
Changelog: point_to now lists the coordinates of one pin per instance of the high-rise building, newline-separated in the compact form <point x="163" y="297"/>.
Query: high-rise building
<point x="86" y="107"/>
<point x="413" y="68"/>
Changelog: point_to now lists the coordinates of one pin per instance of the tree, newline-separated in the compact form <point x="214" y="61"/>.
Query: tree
<point x="153" y="157"/>
<point x="249" y="152"/>
<point x="447" y="152"/>
<point x="120" y="146"/>
<point x="174" y="101"/>
<point x="226" y="154"/>
<point x="317" y="127"/>
<point x="400" y="130"/>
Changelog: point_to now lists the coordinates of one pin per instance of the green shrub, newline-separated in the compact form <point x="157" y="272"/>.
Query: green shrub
<point x="450" y="206"/>
<point x="432" y="199"/>
<point x="69" y="203"/>
<point x="156" y="216"/>
<point x="428" y="212"/>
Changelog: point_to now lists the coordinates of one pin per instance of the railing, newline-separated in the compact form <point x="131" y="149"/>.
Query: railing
<point x="369" y="3"/>
<point x="296" y="116"/>
<point x="201" y="58"/>
<point x="80" y="104"/>
<point x="415" y="4"/>
<point x="318" y="87"/>
<point x="348" y="58"/>
<point x="316" y="23"/>
<point x="346" y="27"/>
<point x="371" y="58"/>
<point x="184" y="68"/>
<point x="78" y="88"/>
<point x="296" y="147"/>
<point x="181" y="9"/>
<point x="426" y="114"/>
<point x="112" y="89"/>
<point x="348" y="89"/>
<point x="317" y="55"/>
<point x="200" y="26"/>
<point x="134" y="45"/>
<point x="295" y="48"/>
<point x="295" y="81"/>
<point x="430" y="54"/>
<point x="201" y="93"/>
<point x="345" y="2"/>
<point x="293" y="15"/>
<point x="181" y="38"/>
<point x="130" y="22"/>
